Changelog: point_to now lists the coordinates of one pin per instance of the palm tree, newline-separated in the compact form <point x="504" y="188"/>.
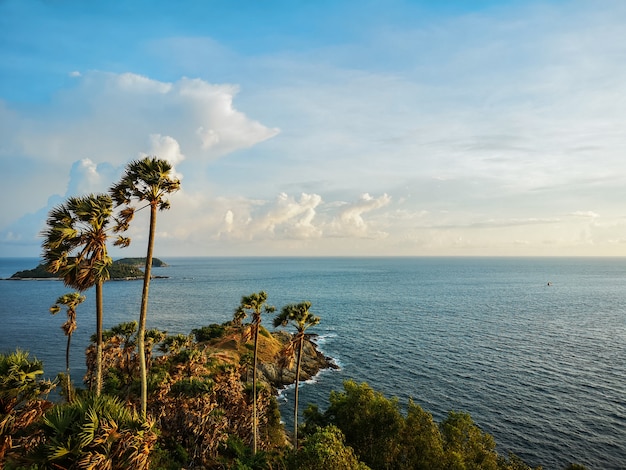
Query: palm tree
<point x="148" y="180"/>
<point x="75" y="247"/>
<point x="70" y="301"/>
<point x="302" y="318"/>
<point x="256" y="304"/>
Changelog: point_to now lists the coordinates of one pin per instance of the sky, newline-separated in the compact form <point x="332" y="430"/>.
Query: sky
<point x="326" y="128"/>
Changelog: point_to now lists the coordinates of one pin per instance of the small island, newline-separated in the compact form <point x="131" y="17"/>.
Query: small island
<point x="124" y="269"/>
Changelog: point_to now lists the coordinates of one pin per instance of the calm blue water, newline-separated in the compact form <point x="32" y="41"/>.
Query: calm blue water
<point x="542" y="368"/>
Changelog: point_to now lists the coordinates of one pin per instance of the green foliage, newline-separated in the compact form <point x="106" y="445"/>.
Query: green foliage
<point x="421" y="443"/>
<point x="21" y="402"/>
<point x="513" y="462"/>
<point x="125" y="271"/>
<point x="120" y="359"/>
<point x="385" y="439"/>
<point x="39" y="272"/>
<point x="156" y="262"/>
<point x="93" y="430"/>
<point x="121" y="269"/>
<point x="207" y="333"/>
<point x="370" y="422"/>
<point x="19" y="380"/>
<point x="273" y="431"/>
<point x="239" y="456"/>
<point x="326" y="449"/>
<point x="114" y="383"/>
<point x="192" y="387"/>
<point x="168" y="458"/>
<point x="465" y="445"/>
<point x="175" y="343"/>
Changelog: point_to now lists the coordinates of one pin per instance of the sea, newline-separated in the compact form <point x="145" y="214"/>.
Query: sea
<point x="534" y="349"/>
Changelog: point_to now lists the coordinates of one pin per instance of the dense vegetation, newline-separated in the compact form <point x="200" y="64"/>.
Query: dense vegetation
<point x="140" y="262"/>
<point x="200" y="414"/>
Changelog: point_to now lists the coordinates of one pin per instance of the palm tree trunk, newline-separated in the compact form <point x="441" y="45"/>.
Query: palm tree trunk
<point x="295" y="413"/>
<point x="67" y="354"/>
<point x="68" y="379"/>
<point x="141" y="332"/>
<point x="254" y="410"/>
<point x="99" y="309"/>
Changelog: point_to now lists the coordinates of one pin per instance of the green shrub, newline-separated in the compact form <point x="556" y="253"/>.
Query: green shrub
<point x="326" y="449"/>
<point x="207" y="333"/>
<point x="191" y="387"/>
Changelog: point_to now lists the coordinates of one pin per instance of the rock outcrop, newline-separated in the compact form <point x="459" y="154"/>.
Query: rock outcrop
<point x="278" y="374"/>
<point x="273" y="370"/>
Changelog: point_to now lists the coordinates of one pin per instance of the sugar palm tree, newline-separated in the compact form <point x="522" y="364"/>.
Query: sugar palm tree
<point x="70" y="301"/>
<point x="148" y="180"/>
<point x="256" y="305"/>
<point x="301" y="318"/>
<point x="75" y="247"/>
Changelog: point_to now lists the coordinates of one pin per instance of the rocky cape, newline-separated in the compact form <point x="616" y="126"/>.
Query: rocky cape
<point x="273" y="369"/>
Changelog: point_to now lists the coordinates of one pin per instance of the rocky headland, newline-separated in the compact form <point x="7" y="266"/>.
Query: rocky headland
<point x="274" y="369"/>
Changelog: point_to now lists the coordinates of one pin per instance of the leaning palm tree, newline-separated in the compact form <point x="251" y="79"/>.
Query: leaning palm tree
<point x="148" y="180"/>
<point x="256" y="304"/>
<point x="302" y="318"/>
<point x="70" y="301"/>
<point x="75" y="247"/>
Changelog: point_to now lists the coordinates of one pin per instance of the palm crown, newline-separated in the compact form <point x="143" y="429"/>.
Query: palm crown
<point x="75" y="240"/>
<point x="147" y="180"/>
<point x="298" y="315"/>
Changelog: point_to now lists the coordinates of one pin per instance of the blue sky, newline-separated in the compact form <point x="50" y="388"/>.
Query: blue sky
<point x="325" y="128"/>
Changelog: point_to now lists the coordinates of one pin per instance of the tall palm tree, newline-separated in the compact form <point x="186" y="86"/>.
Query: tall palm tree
<point x="74" y="246"/>
<point x="148" y="180"/>
<point x="70" y="301"/>
<point x="256" y="304"/>
<point x="301" y="318"/>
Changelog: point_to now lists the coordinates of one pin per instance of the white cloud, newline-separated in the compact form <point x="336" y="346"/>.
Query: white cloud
<point x="109" y="119"/>
<point x="197" y="223"/>
<point x="349" y="222"/>
<point x="287" y="217"/>
<point x="87" y="177"/>
<point x="586" y="214"/>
